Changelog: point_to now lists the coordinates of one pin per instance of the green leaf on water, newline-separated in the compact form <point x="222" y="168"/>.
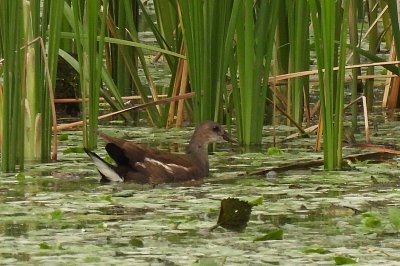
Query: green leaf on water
<point x="62" y="137"/>
<point x="92" y="259"/>
<point x="257" y="201"/>
<point x="102" y="225"/>
<point x="20" y="176"/>
<point x="205" y="262"/>
<point x="340" y="260"/>
<point x="107" y="197"/>
<point x="371" y="220"/>
<point x="315" y="249"/>
<point x="73" y="150"/>
<point x="271" y="235"/>
<point x="394" y="217"/>
<point x="234" y="214"/>
<point x="136" y="242"/>
<point x="56" y="214"/>
<point x="274" y="151"/>
<point x="212" y="210"/>
<point x="44" y="245"/>
<point x="361" y="163"/>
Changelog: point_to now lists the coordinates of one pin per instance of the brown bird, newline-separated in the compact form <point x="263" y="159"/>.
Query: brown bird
<point x="140" y="164"/>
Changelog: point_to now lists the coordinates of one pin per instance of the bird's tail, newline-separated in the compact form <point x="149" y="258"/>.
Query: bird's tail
<point x="106" y="170"/>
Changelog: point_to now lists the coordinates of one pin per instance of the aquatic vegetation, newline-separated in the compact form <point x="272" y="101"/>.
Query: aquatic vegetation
<point x="59" y="212"/>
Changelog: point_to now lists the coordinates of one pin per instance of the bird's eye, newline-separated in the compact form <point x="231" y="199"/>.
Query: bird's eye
<point x="216" y="128"/>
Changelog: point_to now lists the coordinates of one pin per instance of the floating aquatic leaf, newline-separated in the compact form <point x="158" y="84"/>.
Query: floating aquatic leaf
<point x="360" y="163"/>
<point x="74" y="150"/>
<point x="102" y="225"/>
<point x="257" y="201"/>
<point x="44" y="245"/>
<point x="340" y="260"/>
<point x="371" y="219"/>
<point x="56" y="214"/>
<point x="315" y="249"/>
<point x="62" y="137"/>
<point x="92" y="259"/>
<point x="206" y="262"/>
<point x="394" y="217"/>
<point x="271" y="235"/>
<point x="136" y="242"/>
<point x="234" y="214"/>
<point x="335" y="210"/>
<point x="20" y="176"/>
<point x="107" y="198"/>
<point x="274" y="151"/>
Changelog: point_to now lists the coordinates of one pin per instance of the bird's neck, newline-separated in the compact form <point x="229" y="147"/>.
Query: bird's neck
<point x="198" y="145"/>
<point x="198" y="150"/>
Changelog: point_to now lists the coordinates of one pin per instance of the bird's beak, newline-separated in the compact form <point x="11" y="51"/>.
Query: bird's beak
<point x="226" y="136"/>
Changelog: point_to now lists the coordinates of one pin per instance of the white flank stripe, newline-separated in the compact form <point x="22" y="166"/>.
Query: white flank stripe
<point x="168" y="167"/>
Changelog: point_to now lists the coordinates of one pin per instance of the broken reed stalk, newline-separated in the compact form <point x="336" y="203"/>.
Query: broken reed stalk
<point x="379" y="154"/>
<point x="127" y="98"/>
<point x="389" y="80"/>
<point x="366" y="126"/>
<point x="137" y="107"/>
<point x="287" y="116"/>
<point x="315" y="72"/>
<point x="365" y="109"/>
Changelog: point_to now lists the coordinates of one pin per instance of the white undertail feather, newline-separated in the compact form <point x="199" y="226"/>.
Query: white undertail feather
<point x="105" y="169"/>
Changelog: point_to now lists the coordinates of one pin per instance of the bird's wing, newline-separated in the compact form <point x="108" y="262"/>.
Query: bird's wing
<point x="171" y="170"/>
<point x="124" y="152"/>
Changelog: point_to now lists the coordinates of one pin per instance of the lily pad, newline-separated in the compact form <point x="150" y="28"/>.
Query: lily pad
<point x="44" y="245"/>
<point x="62" y="137"/>
<point x="274" y="151"/>
<point x="205" y="262"/>
<point x="234" y="214"/>
<point x="371" y="220"/>
<point x="74" y="150"/>
<point x="271" y="235"/>
<point x="340" y="260"/>
<point x="315" y="249"/>
<point x="56" y="214"/>
<point x="136" y="242"/>
<point x="394" y="217"/>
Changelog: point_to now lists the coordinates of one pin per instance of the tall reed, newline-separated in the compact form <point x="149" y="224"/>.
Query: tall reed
<point x="373" y="48"/>
<point x="254" y="37"/>
<point x="299" y="57"/>
<point x="205" y="25"/>
<point x="90" y="55"/>
<point x="12" y="38"/>
<point x="355" y="59"/>
<point x="324" y="16"/>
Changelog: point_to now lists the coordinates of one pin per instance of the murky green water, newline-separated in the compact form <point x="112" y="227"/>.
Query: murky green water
<point x="58" y="213"/>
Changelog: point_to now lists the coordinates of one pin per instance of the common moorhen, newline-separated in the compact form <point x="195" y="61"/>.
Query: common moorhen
<point x="140" y="164"/>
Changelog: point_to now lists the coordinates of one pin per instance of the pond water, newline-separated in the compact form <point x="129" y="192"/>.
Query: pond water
<point x="59" y="214"/>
